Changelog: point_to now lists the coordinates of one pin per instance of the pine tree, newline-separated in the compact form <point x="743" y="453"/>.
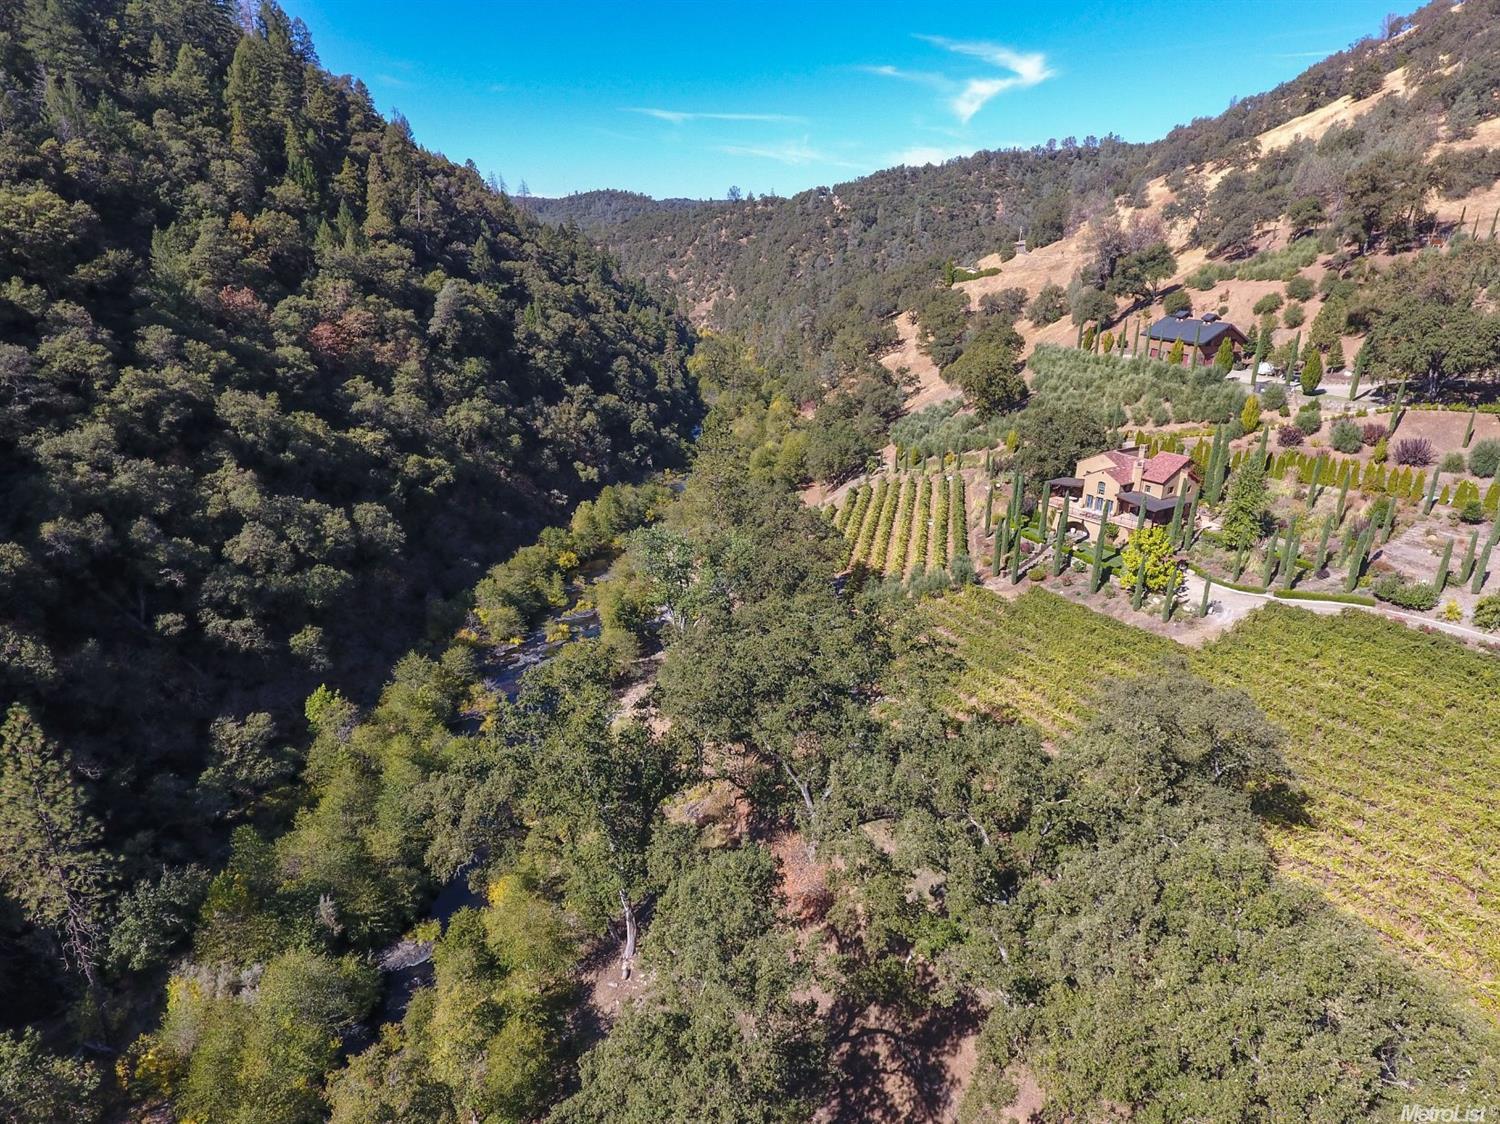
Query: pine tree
<point x="380" y="219"/>
<point x="50" y="863"/>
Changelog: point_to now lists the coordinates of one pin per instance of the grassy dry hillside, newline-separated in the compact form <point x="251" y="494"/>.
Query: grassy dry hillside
<point x="1390" y="143"/>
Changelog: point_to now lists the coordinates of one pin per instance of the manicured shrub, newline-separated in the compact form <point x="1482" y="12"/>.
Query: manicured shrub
<point x="1289" y="436"/>
<point x="1345" y="436"/>
<point x="1484" y="457"/>
<point x="1419" y="596"/>
<point x="1371" y="434"/>
<point x="1309" y="419"/>
<point x="1414" y="451"/>
<point x="1472" y="512"/>
<point x="1250" y="414"/>
<point x="1294" y="315"/>
<point x="1271" y="302"/>
<point x="1273" y="396"/>
<point x="1487" y="613"/>
<point x="1454" y="462"/>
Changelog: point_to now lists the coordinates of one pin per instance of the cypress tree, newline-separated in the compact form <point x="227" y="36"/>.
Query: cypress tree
<point x="1208" y="584"/>
<point x="1396" y="409"/>
<point x="1175" y="527"/>
<point x="1140" y="586"/>
<point x="1483" y="564"/>
<point x="1469" y="430"/>
<point x="1466" y="570"/>
<point x="1096" y="575"/>
<point x="1001" y="534"/>
<point x="1289" y="559"/>
<point x="1015" y="562"/>
<point x="1357" y="561"/>
<point x="1265" y="441"/>
<point x="1441" y="581"/>
<point x="1320" y="562"/>
<point x="1060" y="541"/>
<point x="1272" y="560"/>
<point x="1239" y="561"/>
<point x="1168" y="605"/>
<point x="1432" y="493"/>
<point x="989" y="506"/>
<point x="1390" y="523"/>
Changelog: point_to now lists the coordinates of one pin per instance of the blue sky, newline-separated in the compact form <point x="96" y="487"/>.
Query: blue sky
<point x="687" y="99"/>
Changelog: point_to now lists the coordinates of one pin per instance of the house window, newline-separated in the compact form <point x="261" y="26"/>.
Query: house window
<point x="1101" y="487"/>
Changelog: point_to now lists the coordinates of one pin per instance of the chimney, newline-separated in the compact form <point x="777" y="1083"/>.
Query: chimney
<point x="1137" y="471"/>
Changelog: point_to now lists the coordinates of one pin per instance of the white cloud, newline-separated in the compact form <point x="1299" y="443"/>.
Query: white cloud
<point x="678" y="116"/>
<point x="967" y="96"/>
<point x="787" y="152"/>
<point x="920" y="154"/>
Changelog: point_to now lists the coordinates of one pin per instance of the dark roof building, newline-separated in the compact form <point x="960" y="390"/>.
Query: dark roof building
<point x="1207" y="333"/>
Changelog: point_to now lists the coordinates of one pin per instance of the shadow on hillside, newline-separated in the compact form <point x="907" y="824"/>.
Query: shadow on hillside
<point x="1285" y="804"/>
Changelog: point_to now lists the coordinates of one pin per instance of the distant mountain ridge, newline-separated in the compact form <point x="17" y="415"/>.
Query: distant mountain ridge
<point x="792" y="273"/>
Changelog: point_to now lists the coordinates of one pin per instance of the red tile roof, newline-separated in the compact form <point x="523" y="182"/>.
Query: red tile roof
<point x="1164" y="466"/>
<point x="1158" y="470"/>
<point x="1124" y="470"/>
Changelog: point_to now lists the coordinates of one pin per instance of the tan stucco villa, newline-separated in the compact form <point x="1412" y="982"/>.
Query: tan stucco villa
<point x="1116" y="485"/>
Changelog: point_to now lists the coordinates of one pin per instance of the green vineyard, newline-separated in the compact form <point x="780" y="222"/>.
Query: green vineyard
<point x="1392" y="734"/>
<point x="1039" y="658"/>
<point x="896" y="525"/>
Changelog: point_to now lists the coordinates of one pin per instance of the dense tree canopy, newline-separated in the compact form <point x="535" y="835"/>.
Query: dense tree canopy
<point x="275" y="382"/>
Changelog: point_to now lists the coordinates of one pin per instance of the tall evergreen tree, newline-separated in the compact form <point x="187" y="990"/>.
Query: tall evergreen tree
<point x="51" y="864"/>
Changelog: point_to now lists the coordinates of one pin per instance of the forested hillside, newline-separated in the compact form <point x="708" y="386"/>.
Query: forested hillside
<point x="276" y="384"/>
<point x="812" y="277"/>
